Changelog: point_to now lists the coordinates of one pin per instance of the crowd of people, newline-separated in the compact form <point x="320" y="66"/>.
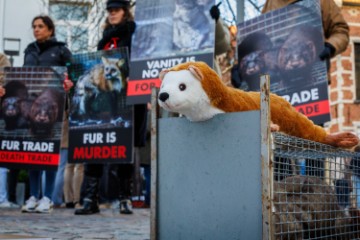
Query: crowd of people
<point x="79" y="185"/>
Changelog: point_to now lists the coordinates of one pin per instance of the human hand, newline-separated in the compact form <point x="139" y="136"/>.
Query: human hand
<point x="215" y="12"/>
<point x="2" y="91"/>
<point x="327" y="52"/>
<point x="67" y="84"/>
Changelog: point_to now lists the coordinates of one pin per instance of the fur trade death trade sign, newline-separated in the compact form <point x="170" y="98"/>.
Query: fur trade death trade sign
<point x="31" y="117"/>
<point x="286" y="44"/>
<point x="168" y="32"/>
<point x="101" y="124"/>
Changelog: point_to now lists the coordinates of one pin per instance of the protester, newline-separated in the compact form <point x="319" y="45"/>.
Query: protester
<point x="73" y="178"/>
<point x="336" y="35"/>
<point x="4" y="201"/>
<point x="355" y="167"/>
<point x="45" y="51"/>
<point x="222" y="36"/>
<point x="118" y="31"/>
<point x="58" y="192"/>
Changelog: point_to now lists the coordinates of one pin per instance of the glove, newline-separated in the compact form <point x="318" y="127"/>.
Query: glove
<point x="215" y="12"/>
<point x="327" y="52"/>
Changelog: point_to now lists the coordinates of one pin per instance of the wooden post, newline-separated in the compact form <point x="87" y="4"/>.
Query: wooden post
<point x="266" y="159"/>
<point x="154" y="119"/>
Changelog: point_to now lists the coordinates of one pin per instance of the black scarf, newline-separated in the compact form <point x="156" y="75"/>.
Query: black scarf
<point x="123" y="30"/>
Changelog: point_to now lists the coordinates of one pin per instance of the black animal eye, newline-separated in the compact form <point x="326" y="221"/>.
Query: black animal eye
<point x="182" y="87"/>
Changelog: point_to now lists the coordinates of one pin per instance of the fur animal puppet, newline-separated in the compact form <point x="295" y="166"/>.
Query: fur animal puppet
<point x="196" y="91"/>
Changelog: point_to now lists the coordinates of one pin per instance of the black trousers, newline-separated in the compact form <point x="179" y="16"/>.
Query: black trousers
<point x="117" y="182"/>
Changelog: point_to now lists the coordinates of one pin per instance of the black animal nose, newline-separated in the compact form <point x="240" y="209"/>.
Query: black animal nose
<point x="163" y="96"/>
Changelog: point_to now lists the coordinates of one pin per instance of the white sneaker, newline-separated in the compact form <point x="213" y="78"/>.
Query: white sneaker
<point x="45" y="206"/>
<point x="30" y="205"/>
<point x="8" y="204"/>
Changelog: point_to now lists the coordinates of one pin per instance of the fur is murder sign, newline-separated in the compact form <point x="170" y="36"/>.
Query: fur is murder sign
<point x="100" y="122"/>
<point x="31" y="117"/>
<point x="286" y="44"/>
<point x="168" y="33"/>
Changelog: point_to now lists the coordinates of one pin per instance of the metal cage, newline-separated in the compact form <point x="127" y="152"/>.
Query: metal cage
<point x="315" y="193"/>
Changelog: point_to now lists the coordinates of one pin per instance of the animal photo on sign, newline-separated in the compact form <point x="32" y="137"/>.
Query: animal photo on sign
<point x="99" y="92"/>
<point x="33" y="104"/>
<point x="287" y="49"/>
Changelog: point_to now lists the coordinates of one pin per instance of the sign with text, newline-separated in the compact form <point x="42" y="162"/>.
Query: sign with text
<point x="100" y="122"/>
<point x="31" y="117"/>
<point x="286" y="44"/>
<point x="168" y="33"/>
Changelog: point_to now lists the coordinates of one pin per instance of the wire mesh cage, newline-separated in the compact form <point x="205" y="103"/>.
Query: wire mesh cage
<point x="316" y="190"/>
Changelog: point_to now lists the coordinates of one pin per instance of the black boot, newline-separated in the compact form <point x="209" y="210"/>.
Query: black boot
<point x="124" y="197"/>
<point x="90" y="204"/>
<point x="126" y="206"/>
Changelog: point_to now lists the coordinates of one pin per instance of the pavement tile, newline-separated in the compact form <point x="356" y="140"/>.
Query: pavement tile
<point x="63" y="224"/>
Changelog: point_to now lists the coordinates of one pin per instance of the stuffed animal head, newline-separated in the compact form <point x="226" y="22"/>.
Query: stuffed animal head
<point x="182" y="91"/>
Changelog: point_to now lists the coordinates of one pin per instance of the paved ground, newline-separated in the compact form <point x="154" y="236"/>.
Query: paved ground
<point x="63" y="224"/>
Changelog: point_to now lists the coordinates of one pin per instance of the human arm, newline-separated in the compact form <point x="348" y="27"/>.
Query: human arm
<point x="2" y="91"/>
<point x="336" y="30"/>
<point x="67" y="84"/>
<point x="222" y="38"/>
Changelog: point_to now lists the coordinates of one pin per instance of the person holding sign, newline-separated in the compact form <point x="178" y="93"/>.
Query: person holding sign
<point x="119" y="28"/>
<point x="222" y="36"/>
<point x="45" y="51"/>
<point x="4" y="202"/>
<point x="336" y="30"/>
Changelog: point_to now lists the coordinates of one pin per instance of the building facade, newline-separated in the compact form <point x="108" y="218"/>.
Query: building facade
<point x="344" y="91"/>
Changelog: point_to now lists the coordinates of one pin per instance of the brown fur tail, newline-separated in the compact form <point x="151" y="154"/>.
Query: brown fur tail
<point x="343" y="140"/>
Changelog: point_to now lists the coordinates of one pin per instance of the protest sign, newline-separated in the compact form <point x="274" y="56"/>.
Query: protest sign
<point x="168" y="33"/>
<point x="31" y="117"/>
<point x="286" y="44"/>
<point x="100" y="122"/>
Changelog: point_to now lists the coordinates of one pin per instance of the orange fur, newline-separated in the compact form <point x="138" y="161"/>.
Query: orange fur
<point x="283" y="114"/>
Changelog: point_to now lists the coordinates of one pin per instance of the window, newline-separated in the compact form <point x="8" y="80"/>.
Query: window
<point x="357" y="69"/>
<point x="71" y="20"/>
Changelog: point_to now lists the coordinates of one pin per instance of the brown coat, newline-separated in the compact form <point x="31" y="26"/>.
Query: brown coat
<point x="4" y="62"/>
<point x="336" y="30"/>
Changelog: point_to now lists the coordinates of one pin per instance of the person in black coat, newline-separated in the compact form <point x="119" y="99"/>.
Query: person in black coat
<point x="119" y="28"/>
<point x="45" y="51"/>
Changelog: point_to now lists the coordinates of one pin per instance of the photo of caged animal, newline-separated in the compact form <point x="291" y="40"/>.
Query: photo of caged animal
<point x="15" y="106"/>
<point x="95" y="93"/>
<point x="36" y="112"/>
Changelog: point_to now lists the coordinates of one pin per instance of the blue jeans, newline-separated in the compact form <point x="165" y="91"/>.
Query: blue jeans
<point x="57" y="195"/>
<point x="3" y="185"/>
<point x="147" y="175"/>
<point x="356" y="189"/>
<point x="35" y="183"/>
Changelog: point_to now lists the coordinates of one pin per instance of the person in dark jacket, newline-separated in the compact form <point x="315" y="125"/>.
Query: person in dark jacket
<point x="355" y="167"/>
<point x="119" y="28"/>
<point x="44" y="51"/>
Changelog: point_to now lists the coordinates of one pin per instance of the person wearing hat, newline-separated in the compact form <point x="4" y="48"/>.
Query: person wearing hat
<point x="118" y="31"/>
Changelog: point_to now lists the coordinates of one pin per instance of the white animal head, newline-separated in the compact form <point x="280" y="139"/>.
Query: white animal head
<point x="182" y="92"/>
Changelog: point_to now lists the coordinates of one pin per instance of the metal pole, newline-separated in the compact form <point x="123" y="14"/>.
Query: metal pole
<point x="154" y="147"/>
<point x="266" y="158"/>
<point x="240" y="10"/>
